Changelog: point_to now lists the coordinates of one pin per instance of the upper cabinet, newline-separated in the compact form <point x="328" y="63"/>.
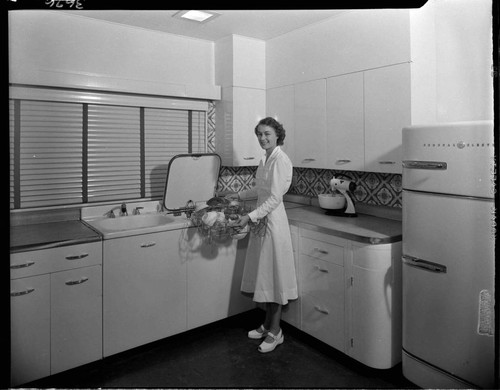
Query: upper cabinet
<point x="345" y="122"/>
<point x="310" y="124"/>
<point x="387" y="111"/>
<point x="280" y="106"/>
<point x="240" y="70"/>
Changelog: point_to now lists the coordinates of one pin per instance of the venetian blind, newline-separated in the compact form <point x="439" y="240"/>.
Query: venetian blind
<point x="114" y="153"/>
<point x="168" y="133"/>
<point x="50" y="160"/>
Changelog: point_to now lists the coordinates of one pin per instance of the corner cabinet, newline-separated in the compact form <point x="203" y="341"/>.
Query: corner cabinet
<point x="61" y="288"/>
<point x="350" y="296"/>
<point x="237" y="114"/>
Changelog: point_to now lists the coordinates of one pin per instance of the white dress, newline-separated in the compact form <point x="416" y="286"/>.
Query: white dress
<point x="269" y="271"/>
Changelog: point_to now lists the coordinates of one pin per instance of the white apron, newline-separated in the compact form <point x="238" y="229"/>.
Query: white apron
<point x="269" y="271"/>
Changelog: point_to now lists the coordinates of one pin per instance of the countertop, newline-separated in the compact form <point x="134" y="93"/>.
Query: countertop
<point x="364" y="228"/>
<point x="50" y="235"/>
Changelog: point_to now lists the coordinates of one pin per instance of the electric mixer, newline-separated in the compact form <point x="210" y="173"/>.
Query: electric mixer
<point x="345" y="187"/>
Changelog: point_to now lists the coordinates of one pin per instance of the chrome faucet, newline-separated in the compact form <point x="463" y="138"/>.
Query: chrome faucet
<point x="137" y="210"/>
<point x="122" y="208"/>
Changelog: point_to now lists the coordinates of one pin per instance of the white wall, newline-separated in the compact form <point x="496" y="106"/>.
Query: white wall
<point x="452" y="52"/>
<point x="54" y="48"/>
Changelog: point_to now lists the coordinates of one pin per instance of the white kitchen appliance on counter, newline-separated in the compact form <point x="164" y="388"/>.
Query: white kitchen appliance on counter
<point x="339" y="202"/>
<point x="448" y="255"/>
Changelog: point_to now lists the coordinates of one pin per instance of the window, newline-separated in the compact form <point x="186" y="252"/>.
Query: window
<point x="65" y="149"/>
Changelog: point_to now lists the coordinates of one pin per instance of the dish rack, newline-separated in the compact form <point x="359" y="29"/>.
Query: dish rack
<point x="223" y="226"/>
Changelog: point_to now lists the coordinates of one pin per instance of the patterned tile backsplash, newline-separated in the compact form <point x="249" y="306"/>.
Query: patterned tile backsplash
<point x="379" y="189"/>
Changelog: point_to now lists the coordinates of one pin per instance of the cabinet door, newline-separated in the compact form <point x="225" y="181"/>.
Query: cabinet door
<point x="375" y="323"/>
<point x="249" y="108"/>
<point x="387" y="111"/>
<point x="144" y="290"/>
<point x="30" y="328"/>
<point x="322" y="301"/>
<point x="310" y="124"/>
<point x="280" y="106"/>
<point x="345" y="122"/>
<point x="76" y="317"/>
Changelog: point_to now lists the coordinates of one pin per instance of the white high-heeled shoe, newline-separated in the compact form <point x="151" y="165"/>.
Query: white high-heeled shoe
<point x="258" y="333"/>
<point x="265" y="346"/>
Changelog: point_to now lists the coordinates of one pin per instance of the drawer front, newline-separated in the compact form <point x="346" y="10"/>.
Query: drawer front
<point x="321" y="278"/>
<point x="322" y="250"/>
<point x="44" y="261"/>
<point x="323" y="319"/>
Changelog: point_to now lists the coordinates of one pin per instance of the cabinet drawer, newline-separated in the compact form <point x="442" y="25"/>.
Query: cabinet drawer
<point x="324" y="319"/>
<point x="322" y="250"/>
<point x="321" y="278"/>
<point x="43" y="261"/>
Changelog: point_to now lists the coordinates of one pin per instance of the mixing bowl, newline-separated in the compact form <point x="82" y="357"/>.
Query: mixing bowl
<point x="331" y="201"/>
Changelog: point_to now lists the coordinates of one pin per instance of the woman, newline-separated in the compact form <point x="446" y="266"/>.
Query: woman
<point x="269" y="271"/>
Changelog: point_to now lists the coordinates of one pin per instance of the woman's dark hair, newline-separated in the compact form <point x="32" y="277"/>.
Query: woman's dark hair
<point x="278" y="128"/>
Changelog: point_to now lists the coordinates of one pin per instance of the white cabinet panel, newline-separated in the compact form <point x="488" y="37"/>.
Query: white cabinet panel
<point x="280" y="106"/>
<point x="291" y="312"/>
<point x="310" y="124"/>
<point x="345" y="122"/>
<point x="76" y="317"/>
<point x="144" y="290"/>
<point x="387" y="111"/>
<point x="30" y="328"/>
<point x="237" y="115"/>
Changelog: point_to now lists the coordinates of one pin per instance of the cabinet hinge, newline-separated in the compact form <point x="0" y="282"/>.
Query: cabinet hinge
<point x="352" y="280"/>
<point x="352" y="343"/>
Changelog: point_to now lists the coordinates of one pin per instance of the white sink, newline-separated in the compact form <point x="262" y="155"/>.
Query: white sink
<point x="132" y="222"/>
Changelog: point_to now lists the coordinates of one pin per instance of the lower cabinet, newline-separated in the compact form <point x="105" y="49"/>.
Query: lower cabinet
<point x="291" y="311"/>
<point x="144" y="290"/>
<point x="351" y="296"/>
<point x="56" y="316"/>
<point x="160" y="284"/>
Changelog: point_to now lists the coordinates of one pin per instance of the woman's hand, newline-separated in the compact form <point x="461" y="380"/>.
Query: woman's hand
<point x="243" y="221"/>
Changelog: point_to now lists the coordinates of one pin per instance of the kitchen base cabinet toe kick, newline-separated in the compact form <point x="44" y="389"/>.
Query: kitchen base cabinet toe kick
<point x="350" y="296"/>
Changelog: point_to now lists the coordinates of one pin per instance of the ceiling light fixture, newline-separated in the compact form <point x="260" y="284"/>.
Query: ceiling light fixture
<point x="196" y="16"/>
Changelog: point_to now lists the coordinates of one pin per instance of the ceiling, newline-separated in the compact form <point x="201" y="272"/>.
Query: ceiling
<point x="259" y="24"/>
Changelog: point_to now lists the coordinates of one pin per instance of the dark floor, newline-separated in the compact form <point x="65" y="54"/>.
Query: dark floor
<point x="220" y="355"/>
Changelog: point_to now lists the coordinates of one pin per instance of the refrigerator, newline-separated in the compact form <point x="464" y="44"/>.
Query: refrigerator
<point x="448" y="255"/>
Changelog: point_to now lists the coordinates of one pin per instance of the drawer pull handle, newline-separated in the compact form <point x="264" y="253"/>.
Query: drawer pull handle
<point x="324" y="311"/>
<point x="322" y="251"/>
<point x="321" y="269"/>
<point x="73" y="282"/>
<point x="27" y="264"/>
<point x="307" y="160"/>
<point x="19" y="293"/>
<point x="343" y="161"/>
<point x="77" y="257"/>
<point x="248" y="158"/>
<point x="148" y="244"/>
<point x="387" y="162"/>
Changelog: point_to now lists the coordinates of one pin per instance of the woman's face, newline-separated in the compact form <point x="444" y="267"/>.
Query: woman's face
<point x="267" y="137"/>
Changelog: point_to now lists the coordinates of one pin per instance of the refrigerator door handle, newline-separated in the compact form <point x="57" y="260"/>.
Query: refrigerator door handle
<point x="433" y="165"/>
<point x="424" y="264"/>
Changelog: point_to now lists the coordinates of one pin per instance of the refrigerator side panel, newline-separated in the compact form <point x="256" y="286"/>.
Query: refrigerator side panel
<point x="448" y="284"/>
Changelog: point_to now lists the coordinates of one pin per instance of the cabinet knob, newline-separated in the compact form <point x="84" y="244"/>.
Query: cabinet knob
<point x="24" y="265"/>
<point x="73" y="282"/>
<point x="77" y="257"/>
<point x="324" y="311"/>
<point x="322" y="251"/>
<point x="387" y="162"/>
<point x="321" y="269"/>
<point x="19" y="293"/>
